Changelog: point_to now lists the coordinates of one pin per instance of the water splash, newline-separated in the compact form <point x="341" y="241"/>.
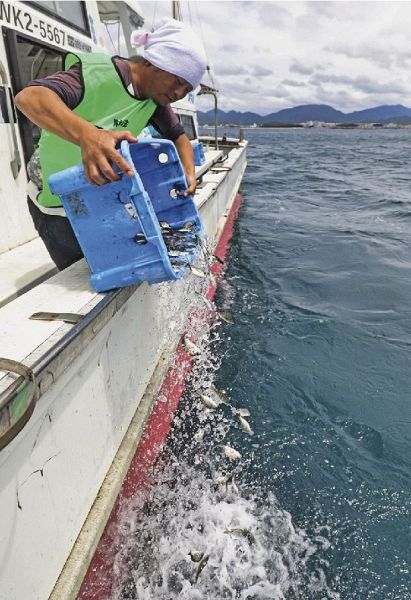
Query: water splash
<point x="199" y="501"/>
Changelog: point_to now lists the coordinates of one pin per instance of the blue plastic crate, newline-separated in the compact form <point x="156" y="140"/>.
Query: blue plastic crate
<point x="140" y="228"/>
<point x="199" y="155"/>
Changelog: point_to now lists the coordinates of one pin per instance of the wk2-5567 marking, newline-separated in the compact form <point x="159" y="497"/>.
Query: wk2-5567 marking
<point x="27" y="22"/>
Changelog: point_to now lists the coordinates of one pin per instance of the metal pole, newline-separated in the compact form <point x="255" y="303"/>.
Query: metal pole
<point x="215" y="121"/>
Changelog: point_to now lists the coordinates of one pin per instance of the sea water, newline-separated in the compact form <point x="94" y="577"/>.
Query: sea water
<point x="319" y="283"/>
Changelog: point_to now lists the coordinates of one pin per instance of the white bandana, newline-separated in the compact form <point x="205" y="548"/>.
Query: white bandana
<point x="175" y="48"/>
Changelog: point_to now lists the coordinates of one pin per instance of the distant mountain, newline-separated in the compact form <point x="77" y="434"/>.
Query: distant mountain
<point x="308" y="112"/>
<point x="379" y="114"/>
<point x="398" y="120"/>
<point x="239" y="118"/>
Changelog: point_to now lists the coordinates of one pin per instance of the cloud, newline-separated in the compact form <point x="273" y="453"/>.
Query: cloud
<point x="273" y="15"/>
<point x="293" y="83"/>
<point x="298" y="67"/>
<point x="360" y="83"/>
<point x="231" y="70"/>
<point x="258" y="71"/>
<point x="345" y="11"/>
<point x="261" y="50"/>
<point x="384" y="57"/>
<point x="230" y="49"/>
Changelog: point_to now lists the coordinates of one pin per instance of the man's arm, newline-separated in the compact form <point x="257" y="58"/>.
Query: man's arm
<point x="44" y="108"/>
<point x="186" y="154"/>
<point x="167" y="123"/>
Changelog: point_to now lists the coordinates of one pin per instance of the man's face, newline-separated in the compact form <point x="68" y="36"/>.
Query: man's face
<point x="165" y="87"/>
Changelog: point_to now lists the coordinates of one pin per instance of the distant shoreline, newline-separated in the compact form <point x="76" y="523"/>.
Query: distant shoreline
<point x="346" y="126"/>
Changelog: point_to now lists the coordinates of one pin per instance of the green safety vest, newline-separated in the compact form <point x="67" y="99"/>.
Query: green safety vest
<point x="106" y="103"/>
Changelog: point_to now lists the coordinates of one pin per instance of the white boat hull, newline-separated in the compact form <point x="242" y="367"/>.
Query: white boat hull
<point x="51" y="473"/>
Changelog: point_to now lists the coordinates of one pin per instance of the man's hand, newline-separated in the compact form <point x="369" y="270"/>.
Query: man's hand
<point x="186" y="154"/>
<point x="98" y="149"/>
<point x="192" y="184"/>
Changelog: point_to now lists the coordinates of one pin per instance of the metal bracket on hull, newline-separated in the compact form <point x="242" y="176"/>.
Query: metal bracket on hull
<point x="17" y="402"/>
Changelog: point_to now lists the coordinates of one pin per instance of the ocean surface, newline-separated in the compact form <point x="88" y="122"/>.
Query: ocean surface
<point x="319" y="283"/>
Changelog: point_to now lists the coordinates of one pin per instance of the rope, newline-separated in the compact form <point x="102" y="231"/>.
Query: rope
<point x="109" y="35"/>
<point x="189" y="13"/>
<point x="204" y="44"/>
<point x="153" y="20"/>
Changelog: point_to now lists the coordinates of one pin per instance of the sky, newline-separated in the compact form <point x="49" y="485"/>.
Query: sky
<point x="265" y="56"/>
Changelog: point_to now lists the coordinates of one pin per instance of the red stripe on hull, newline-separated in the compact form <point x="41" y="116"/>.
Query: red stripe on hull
<point x="99" y="577"/>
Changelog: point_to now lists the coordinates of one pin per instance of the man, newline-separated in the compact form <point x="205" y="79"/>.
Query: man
<point x="86" y="110"/>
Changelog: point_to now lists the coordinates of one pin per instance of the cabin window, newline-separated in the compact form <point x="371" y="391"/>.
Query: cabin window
<point x="28" y="60"/>
<point x="5" y="117"/>
<point x="187" y="122"/>
<point x="71" y="13"/>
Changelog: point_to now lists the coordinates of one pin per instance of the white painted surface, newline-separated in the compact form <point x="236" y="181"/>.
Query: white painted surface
<point x="22" y="267"/>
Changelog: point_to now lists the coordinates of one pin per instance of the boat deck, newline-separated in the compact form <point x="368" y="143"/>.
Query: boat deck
<point x="23" y="267"/>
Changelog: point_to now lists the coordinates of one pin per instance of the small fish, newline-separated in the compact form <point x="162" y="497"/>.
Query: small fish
<point x="226" y="315"/>
<point x="240" y="532"/>
<point x="71" y="318"/>
<point x="189" y="226"/>
<point x="140" y="238"/>
<point x="245" y="426"/>
<point x="229" y="480"/>
<point x="183" y="246"/>
<point x="222" y="396"/>
<point x="231" y="453"/>
<point x="178" y="262"/>
<point x="206" y="301"/>
<point x="177" y="253"/>
<point x="196" y="271"/>
<point x="201" y="566"/>
<point x="196" y="555"/>
<point x="243" y="412"/>
<point x="220" y="480"/>
<point x="208" y="402"/>
<point x="191" y="347"/>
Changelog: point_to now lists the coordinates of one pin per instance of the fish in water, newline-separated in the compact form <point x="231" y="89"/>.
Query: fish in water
<point x="245" y="426"/>
<point x="196" y="555"/>
<point x="201" y="566"/>
<point x="226" y="315"/>
<point x="241" y="533"/>
<point x="191" y="347"/>
<point x="196" y="271"/>
<point x="228" y="480"/>
<point x="243" y="412"/>
<point x="206" y="301"/>
<point x="222" y="396"/>
<point x="221" y="480"/>
<point x="231" y="453"/>
<point x="208" y="402"/>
